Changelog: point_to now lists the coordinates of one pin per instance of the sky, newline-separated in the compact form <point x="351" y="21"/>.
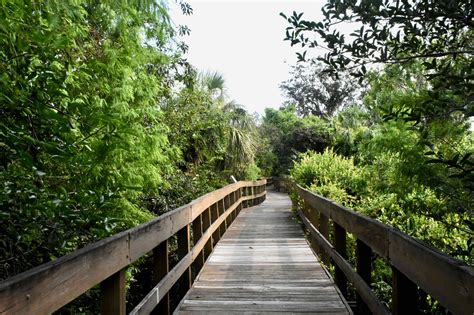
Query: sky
<point x="243" y="40"/>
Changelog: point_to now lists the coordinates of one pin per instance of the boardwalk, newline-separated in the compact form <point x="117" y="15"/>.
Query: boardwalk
<point x="262" y="265"/>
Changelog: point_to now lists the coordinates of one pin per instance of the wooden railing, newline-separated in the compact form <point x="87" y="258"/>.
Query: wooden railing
<point x="50" y="286"/>
<point x="414" y="264"/>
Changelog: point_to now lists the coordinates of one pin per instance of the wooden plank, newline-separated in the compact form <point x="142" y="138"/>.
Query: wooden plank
<point x="253" y="305"/>
<point x="228" y="312"/>
<point x="369" y="297"/>
<point x="113" y="294"/>
<point x="50" y="286"/>
<point x="263" y="264"/>
<point x="202" y="203"/>
<point x="147" y="236"/>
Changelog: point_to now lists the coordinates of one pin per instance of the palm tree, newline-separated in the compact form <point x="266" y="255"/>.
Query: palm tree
<point x="241" y="135"/>
<point x="214" y="83"/>
<point x="241" y="128"/>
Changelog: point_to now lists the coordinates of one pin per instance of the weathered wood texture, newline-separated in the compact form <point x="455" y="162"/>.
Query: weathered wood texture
<point x="367" y="295"/>
<point x="263" y="264"/>
<point x="114" y="292"/>
<point x="446" y="279"/>
<point x="48" y="287"/>
<point x="159" y="291"/>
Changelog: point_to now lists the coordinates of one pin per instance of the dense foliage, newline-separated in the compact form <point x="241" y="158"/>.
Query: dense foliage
<point x="436" y="35"/>
<point x="82" y="137"/>
<point x="287" y="135"/>
<point x="103" y="125"/>
<point x="385" y="167"/>
<point x="405" y="157"/>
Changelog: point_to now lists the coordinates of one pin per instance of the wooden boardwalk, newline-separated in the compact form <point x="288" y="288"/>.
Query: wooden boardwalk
<point x="263" y="264"/>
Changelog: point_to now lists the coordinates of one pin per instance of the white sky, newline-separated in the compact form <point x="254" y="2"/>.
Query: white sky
<point x="243" y="40"/>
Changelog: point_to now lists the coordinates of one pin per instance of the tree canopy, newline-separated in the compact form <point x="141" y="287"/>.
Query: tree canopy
<point x="434" y="36"/>
<point x="390" y="32"/>
<point x="315" y="92"/>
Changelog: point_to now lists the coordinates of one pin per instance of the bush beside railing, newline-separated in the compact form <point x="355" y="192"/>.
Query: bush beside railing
<point x="414" y="264"/>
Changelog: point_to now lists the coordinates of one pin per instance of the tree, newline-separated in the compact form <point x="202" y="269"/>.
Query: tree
<point x="288" y="135"/>
<point x="437" y="36"/>
<point x="315" y="92"/>
<point x="437" y="33"/>
<point x="241" y="139"/>
<point x="391" y="32"/>
<point x="214" y="83"/>
<point x="81" y="136"/>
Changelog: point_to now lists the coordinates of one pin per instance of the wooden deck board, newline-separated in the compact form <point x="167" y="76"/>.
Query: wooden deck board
<point x="263" y="265"/>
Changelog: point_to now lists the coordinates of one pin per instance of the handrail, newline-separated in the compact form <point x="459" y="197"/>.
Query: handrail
<point x="448" y="280"/>
<point x="52" y="285"/>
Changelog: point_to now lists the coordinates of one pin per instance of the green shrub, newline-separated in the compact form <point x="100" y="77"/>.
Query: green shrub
<point x="330" y="175"/>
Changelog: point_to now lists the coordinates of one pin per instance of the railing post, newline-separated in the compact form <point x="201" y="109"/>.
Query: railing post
<point x="364" y="267"/>
<point x="206" y="223"/>
<point x="228" y="220"/>
<point x="239" y="195"/>
<point x="252" y="192"/>
<point x="185" y="281"/>
<point x="221" y="210"/>
<point x="340" y="245"/>
<point x="197" y="234"/>
<point x="160" y="270"/>
<point x="324" y="229"/>
<point x="248" y="193"/>
<point x="232" y="202"/>
<point x="113" y="294"/>
<point x="404" y="294"/>
<point x="214" y="215"/>
<point x="309" y="214"/>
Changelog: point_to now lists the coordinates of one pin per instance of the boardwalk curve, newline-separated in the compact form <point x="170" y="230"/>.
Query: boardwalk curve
<point x="263" y="264"/>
